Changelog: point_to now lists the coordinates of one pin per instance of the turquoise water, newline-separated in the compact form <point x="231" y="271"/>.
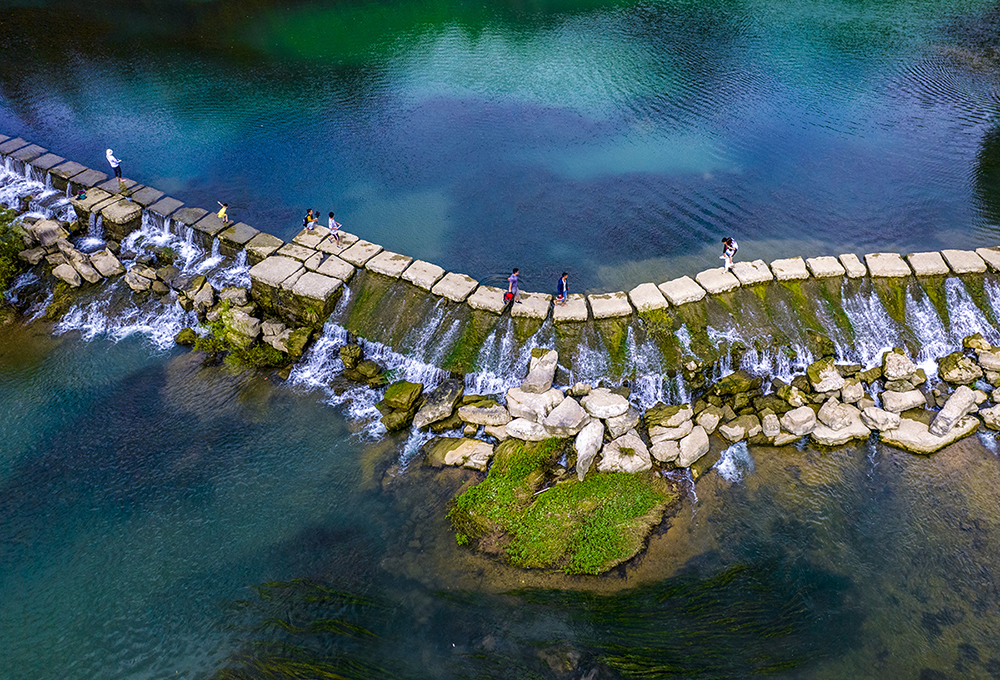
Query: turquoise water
<point x="143" y="496"/>
<point x="616" y="140"/>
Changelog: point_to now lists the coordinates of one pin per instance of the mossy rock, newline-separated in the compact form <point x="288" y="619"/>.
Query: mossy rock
<point x="735" y="383"/>
<point x="186" y="337"/>
<point x="958" y="369"/>
<point x="396" y="420"/>
<point x="298" y="340"/>
<point x="369" y="369"/>
<point x="660" y="414"/>
<point x="351" y="355"/>
<point x="402" y="395"/>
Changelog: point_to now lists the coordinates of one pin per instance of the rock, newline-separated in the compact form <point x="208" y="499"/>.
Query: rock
<point x="204" y="299"/>
<point x="452" y="422"/>
<point x="741" y="428"/>
<point x="350" y="355"/>
<point x="470" y="453"/>
<point x="627" y="453"/>
<point x="915" y="437"/>
<point x="271" y="327"/>
<point x="824" y="376"/>
<point x="498" y="432"/>
<point x="958" y="369"/>
<point x="33" y="255"/>
<point x="989" y="360"/>
<point x="736" y="383"/>
<point x="241" y="328"/>
<point x="484" y="412"/>
<point x="897" y="402"/>
<point x="566" y="419"/>
<point x="543" y="370"/>
<point x="770" y="425"/>
<point x="136" y="282"/>
<point x="403" y="395"/>
<point x="579" y="390"/>
<point x="439" y="403"/>
<point x="871" y="375"/>
<point x="898" y="386"/>
<point x="619" y="425"/>
<point x="369" y="369"/>
<point x="527" y="430"/>
<point x="660" y="434"/>
<point x="666" y="451"/>
<point x="602" y="403"/>
<point x="800" y="421"/>
<point x="667" y="416"/>
<point x="897" y="366"/>
<point x="530" y="406"/>
<point x="82" y="265"/>
<point x="297" y="341"/>
<point x="587" y="444"/>
<point x="959" y="404"/>
<point x="47" y="232"/>
<point x="709" y="418"/>
<point x="106" y="263"/>
<point x="991" y="417"/>
<point x="693" y="447"/>
<point x="834" y="415"/>
<point x="878" y="419"/>
<point x="238" y="297"/>
<point x="976" y="341"/>
<point x="186" y="337"/>
<point x="397" y="420"/>
<point x="853" y="429"/>
<point x="852" y="391"/>
<point x="470" y="430"/>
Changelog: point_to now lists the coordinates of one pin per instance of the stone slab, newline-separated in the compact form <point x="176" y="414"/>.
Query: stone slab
<point x="646" y="297"/>
<point x="329" y="244"/>
<point x="887" y="265"/>
<point x="853" y="266"/>
<point x="114" y="186"/>
<point x="337" y="268"/>
<point x="533" y="306"/>
<point x="262" y="246"/>
<point x="991" y="256"/>
<point x="275" y="270"/>
<point x="825" y="267"/>
<point x="211" y="226"/>
<point x="927" y="264"/>
<point x="12" y="145"/>
<point x="188" y="216"/>
<point x="165" y="206"/>
<point x="964" y="261"/>
<point x="311" y="238"/>
<point x="316" y="286"/>
<point x="575" y="309"/>
<point x="359" y="253"/>
<point x="717" y="280"/>
<point x="237" y="235"/>
<point x="682" y="291"/>
<point x="790" y="269"/>
<point x="455" y="287"/>
<point x="388" y="263"/>
<point x="314" y="261"/>
<point x="752" y="273"/>
<point x="3" y="138"/>
<point x="88" y="178"/>
<point x="487" y="298"/>
<point x="423" y="274"/>
<point x="67" y="170"/>
<point x="94" y="196"/>
<point x="610" y="305"/>
<point x="121" y="218"/>
<point x="147" y="196"/>
<point x="296" y="252"/>
<point x="47" y="161"/>
<point x="29" y="153"/>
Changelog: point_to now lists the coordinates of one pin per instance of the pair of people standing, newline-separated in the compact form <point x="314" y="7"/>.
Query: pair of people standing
<point x="514" y="293"/>
<point x="311" y="219"/>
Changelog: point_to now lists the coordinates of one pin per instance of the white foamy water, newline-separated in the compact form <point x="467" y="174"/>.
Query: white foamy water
<point x="158" y="321"/>
<point x="735" y="463"/>
<point x="874" y="330"/>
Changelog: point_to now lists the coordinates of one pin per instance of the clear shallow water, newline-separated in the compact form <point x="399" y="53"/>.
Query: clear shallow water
<point x="143" y="495"/>
<point x="616" y="140"/>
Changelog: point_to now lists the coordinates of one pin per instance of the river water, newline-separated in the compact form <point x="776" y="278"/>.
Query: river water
<point x="617" y="140"/>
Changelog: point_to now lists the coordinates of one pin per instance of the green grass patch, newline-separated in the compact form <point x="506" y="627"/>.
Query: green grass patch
<point x="11" y="243"/>
<point x="217" y="343"/>
<point x="583" y="527"/>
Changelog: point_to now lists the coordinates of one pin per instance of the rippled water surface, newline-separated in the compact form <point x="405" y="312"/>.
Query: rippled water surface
<point x="616" y="140"/>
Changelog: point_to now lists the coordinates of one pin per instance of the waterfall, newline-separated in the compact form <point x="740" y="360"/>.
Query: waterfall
<point x="236" y="274"/>
<point x="158" y="321"/>
<point x="501" y="363"/>
<point x="212" y="260"/>
<point x="874" y="330"/>
<point x="926" y="325"/>
<point x="966" y="317"/>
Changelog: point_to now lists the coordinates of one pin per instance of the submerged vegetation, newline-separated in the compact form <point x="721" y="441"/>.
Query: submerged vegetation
<point x="579" y="527"/>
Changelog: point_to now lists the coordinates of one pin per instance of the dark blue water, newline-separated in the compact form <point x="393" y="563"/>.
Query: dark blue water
<point x="616" y="140"/>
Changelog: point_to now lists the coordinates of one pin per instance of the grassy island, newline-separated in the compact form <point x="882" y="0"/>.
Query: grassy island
<point x="536" y="516"/>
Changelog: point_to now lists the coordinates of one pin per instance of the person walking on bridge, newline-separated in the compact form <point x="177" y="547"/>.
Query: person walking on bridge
<point x="562" y="289"/>
<point x="512" y="286"/>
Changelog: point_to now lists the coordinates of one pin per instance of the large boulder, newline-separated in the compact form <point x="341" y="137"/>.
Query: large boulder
<point x="915" y="437"/>
<point x="241" y="328"/>
<point x="106" y="263"/>
<point x="566" y="419"/>
<point x="66" y="272"/>
<point x="854" y="428"/>
<point x="661" y="434"/>
<point x="297" y="341"/>
<point x="47" y="232"/>
<point x="666" y="451"/>
<point x="619" y="425"/>
<point x="897" y="366"/>
<point x="743" y="427"/>
<point x="137" y="282"/>
<point x="834" y="415"/>
<point x="991" y="417"/>
<point x="471" y="453"/>
<point x="603" y="403"/>
<point x="958" y="369"/>
<point x="532" y="406"/>
<point x="693" y="447"/>
<point x="709" y="418"/>
<point x="484" y="412"/>
<point x="770" y="425"/>
<point x="588" y="443"/>
<point x="959" y="404"/>
<point x="628" y="453"/>
<point x="897" y="402"/>
<point x="736" y="383"/>
<point x="526" y="430"/>
<point x="439" y="403"/>
<point x="852" y="391"/>
<point x="541" y="372"/>
<point x="800" y="421"/>
<point x="878" y="419"/>
<point x="824" y="376"/>
<point x="663" y="415"/>
<point x="402" y="395"/>
<point x="351" y="355"/>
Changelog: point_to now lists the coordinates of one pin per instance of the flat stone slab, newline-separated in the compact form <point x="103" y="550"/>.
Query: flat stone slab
<point x="574" y="310"/>
<point x="423" y="274"/>
<point x="114" y="186"/>
<point x="752" y="273"/>
<point x="3" y="138"/>
<point x="12" y="145"/>
<point x="915" y="437"/>
<point x="927" y="264"/>
<point x="337" y="268"/>
<point x="533" y="306"/>
<point x="238" y="235"/>
<point x="121" y="212"/>
<point x="825" y="267"/>
<point x="263" y="245"/>
<point x="211" y="225"/>
<point x="329" y="244"/>
<point x="887" y="265"/>
<point x="487" y="298"/>
<point x="991" y="256"/>
<point x="275" y="270"/>
<point x="68" y="169"/>
<point x="188" y="216"/>
<point x="165" y="206"/>
<point x="315" y="286"/>
<point x="359" y="253"/>
<point x="94" y="196"/>
<point x="682" y="291"/>
<point x="296" y="252"/>
<point x="455" y="287"/>
<point x="89" y="178"/>
<point x="147" y="196"/>
<point x="388" y="263"/>
<point x="964" y="261"/>
<point x="790" y="269"/>
<point x="311" y="238"/>
<point x="717" y="280"/>
<point x="646" y="297"/>
<point x="853" y="266"/>
<point x="47" y="161"/>
<point x="29" y="153"/>
<point x="610" y="305"/>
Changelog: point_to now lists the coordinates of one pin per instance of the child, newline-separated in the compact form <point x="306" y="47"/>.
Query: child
<point x="562" y="289"/>
<point x="512" y="286"/>
<point x="729" y="249"/>
<point x="334" y="229"/>
<point x="307" y="221"/>
<point x="222" y="212"/>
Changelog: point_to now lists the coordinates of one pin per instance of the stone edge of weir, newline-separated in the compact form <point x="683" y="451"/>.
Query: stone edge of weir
<point x="278" y="268"/>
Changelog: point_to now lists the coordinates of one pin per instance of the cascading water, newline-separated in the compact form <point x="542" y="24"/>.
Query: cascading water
<point x="966" y="317"/>
<point x="735" y="463"/>
<point x="874" y="330"/>
<point x="928" y="328"/>
<point x="502" y="364"/>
